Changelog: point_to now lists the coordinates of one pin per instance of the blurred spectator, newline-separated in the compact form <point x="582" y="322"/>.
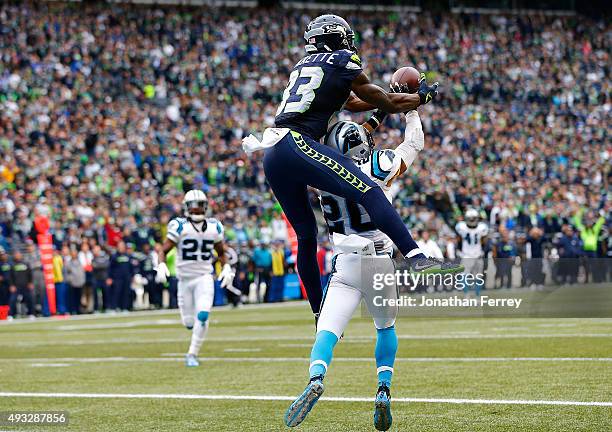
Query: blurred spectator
<point x="61" y="288"/>
<point x="5" y="277"/>
<point x="75" y="278"/>
<point x="101" y="291"/>
<point x="277" y="281"/>
<point x="262" y="259"/>
<point x="590" y="229"/>
<point x="21" y="286"/>
<point x="570" y="250"/>
<point x="85" y="257"/>
<point x="32" y="258"/>
<point x="428" y="245"/>
<point x="505" y="253"/>
<point x="120" y="273"/>
<point x="147" y="261"/>
<point x="535" y="257"/>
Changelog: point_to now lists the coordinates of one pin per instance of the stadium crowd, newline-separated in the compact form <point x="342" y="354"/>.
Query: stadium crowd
<point x="109" y="113"/>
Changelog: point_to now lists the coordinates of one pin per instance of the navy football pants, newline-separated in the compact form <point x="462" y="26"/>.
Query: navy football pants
<point x="298" y="161"/>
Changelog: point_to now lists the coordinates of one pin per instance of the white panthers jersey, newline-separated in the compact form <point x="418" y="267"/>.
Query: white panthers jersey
<point x="347" y="217"/>
<point x="471" y="239"/>
<point x="195" y="242"/>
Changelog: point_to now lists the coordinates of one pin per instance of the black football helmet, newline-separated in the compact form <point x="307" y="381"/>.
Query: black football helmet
<point x="328" y="33"/>
<point x="350" y="139"/>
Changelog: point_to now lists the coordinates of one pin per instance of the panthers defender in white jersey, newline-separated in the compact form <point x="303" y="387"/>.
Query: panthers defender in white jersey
<point x="472" y="234"/>
<point x="195" y="237"/>
<point x="360" y="252"/>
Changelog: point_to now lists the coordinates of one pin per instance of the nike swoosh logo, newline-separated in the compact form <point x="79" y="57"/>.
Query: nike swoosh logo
<point x="419" y="266"/>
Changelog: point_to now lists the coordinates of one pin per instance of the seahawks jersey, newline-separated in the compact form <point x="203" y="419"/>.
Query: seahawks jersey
<point x="471" y="239"/>
<point x="319" y="85"/>
<point x="195" y="243"/>
<point x="348" y="217"/>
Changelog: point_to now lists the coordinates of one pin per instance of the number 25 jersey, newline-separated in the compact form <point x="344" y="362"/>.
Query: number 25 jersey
<point x="195" y="242"/>
<point x="319" y="85"/>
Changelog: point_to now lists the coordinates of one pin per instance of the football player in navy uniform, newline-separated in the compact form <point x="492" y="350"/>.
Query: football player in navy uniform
<point x="330" y="78"/>
<point x="360" y="250"/>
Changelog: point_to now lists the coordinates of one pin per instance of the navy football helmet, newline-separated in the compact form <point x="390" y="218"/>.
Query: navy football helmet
<point x="328" y="33"/>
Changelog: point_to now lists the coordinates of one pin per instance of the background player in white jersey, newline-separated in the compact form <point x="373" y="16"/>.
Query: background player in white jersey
<point x="472" y="234"/>
<point x="196" y="237"/>
<point x="360" y="250"/>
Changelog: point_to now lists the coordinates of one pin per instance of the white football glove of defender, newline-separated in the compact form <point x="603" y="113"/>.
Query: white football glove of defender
<point x="226" y="277"/>
<point x="162" y="273"/>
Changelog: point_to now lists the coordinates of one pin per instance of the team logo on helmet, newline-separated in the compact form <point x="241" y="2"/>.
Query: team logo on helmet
<point x="328" y="33"/>
<point x="350" y="139"/>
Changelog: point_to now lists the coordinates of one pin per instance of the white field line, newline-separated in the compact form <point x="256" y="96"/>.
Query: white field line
<point x="47" y="365"/>
<point x="180" y="358"/>
<point x="348" y="339"/>
<point x="144" y="313"/>
<point x="290" y="398"/>
<point x="239" y="350"/>
<point x="120" y="325"/>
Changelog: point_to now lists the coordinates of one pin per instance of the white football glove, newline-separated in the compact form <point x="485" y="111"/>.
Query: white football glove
<point x="162" y="273"/>
<point x="414" y="131"/>
<point x="226" y="277"/>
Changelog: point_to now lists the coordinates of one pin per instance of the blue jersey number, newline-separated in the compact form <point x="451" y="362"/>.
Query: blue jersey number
<point x="300" y="91"/>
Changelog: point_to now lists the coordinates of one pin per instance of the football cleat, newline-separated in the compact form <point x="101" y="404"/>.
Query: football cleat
<point x="434" y="266"/>
<point x="191" y="361"/>
<point x="382" y="409"/>
<point x="299" y="409"/>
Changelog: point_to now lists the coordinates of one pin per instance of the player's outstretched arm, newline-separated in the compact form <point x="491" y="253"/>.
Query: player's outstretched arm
<point x="404" y="154"/>
<point x="354" y="104"/>
<point x="376" y="96"/>
<point x="394" y="102"/>
<point x="414" y="141"/>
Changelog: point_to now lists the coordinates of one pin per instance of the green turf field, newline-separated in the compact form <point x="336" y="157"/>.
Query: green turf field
<point x="451" y="374"/>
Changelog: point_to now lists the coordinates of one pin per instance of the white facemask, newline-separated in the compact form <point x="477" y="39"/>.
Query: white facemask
<point x="197" y="218"/>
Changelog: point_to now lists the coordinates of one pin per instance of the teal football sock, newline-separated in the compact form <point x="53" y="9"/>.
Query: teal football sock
<point x="322" y="351"/>
<point x="386" y="348"/>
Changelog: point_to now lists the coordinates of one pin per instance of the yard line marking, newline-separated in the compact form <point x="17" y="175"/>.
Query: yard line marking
<point x="50" y="364"/>
<point x="239" y="350"/>
<point x="120" y="325"/>
<point x="348" y="339"/>
<point x="180" y="357"/>
<point x="295" y="345"/>
<point x="144" y="313"/>
<point x="291" y="398"/>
